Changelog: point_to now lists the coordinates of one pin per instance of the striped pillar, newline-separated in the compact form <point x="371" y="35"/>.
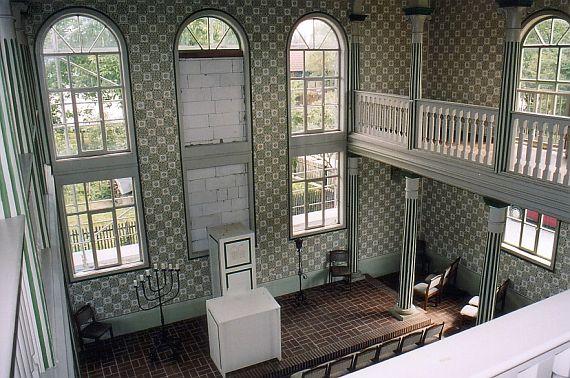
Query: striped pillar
<point x="514" y="12"/>
<point x="354" y="65"/>
<point x="417" y="17"/>
<point x="405" y="304"/>
<point x="488" y="287"/>
<point x="352" y="210"/>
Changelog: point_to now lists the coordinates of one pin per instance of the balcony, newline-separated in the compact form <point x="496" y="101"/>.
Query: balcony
<point x="456" y="144"/>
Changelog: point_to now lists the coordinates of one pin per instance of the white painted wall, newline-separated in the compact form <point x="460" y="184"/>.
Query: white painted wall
<point x="217" y="196"/>
<point x="211" y="92"/>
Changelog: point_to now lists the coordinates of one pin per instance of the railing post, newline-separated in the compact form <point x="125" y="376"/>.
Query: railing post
<point x="355" y="18"/>
<point x="352" y="218"/>
<point x="417" y="13"/>
<point x="488" y="287"/>
<point x="513" y="11"/>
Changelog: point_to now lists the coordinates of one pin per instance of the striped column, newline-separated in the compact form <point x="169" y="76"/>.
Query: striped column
<point x="405" y="304"/>
<point x="513" y="11"/>
<point x="354" y="65"/>
<point x="352" y="210"/>
<point x="488" y="287"/>
<point x="417" y="17"/>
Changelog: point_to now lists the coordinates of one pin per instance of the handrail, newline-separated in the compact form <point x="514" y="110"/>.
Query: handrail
<point x="11" y="239"/>
<point x="392" y="95"/>
<point x="458" y="105"/>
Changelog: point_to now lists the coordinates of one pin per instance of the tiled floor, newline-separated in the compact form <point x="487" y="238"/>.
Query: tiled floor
<point x="331" y="317"/>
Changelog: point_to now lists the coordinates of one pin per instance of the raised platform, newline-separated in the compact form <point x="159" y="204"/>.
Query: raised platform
<point x="334" y="322"/>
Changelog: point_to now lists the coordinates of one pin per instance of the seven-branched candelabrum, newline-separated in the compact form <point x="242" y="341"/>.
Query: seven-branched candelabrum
<point x="158" y="288"/>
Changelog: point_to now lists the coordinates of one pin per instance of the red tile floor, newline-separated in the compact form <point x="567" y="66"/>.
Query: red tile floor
<point x="332" y="316"/>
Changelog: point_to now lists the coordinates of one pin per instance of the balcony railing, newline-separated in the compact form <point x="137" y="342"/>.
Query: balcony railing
<point x="457" y="130"/>
<point x="539" y="147"/>
<point x="382" y="115"/>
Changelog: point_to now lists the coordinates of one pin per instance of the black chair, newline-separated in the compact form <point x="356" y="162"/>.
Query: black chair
<point x="88" y="327"/>
<point x="410" y="341"/>
<point x="388" y="349"/>
<point x="321" y="371"/>
<point x="339" y="265"/>
<point x="432" y="334"/>
<point x="341" y="366"/>
<point x="365" y="358"/>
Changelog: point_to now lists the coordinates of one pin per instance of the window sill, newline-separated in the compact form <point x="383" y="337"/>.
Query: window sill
<point x="109" y="271"/>
<point x="535" y="260"/>
<point x="318" y="231"/>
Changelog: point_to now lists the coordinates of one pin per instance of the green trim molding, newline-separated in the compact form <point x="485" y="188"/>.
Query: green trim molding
<point x="514" y="3"/>
<point x="411" y="11"/>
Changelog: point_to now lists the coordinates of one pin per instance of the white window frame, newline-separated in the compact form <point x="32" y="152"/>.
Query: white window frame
<point x="321" y="141"/>
<point x="527" y="254"/>
<point x="539" y="93"/>
<point x="94" y="167"/>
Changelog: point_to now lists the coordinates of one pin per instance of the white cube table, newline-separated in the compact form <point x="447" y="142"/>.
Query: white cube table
<point x="244" y="329"/>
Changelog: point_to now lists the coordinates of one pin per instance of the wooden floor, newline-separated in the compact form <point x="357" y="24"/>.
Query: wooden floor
<point x="335" y="321"/>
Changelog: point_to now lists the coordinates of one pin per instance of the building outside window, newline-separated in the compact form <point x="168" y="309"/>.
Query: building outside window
<point x="317" y="125"/>
<point x="85" y="82"/>
<point x="531" y="235"/>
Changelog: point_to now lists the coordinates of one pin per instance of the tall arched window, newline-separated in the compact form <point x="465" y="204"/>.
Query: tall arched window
<point x="86" y="94"/>
<point x="317" y="118"/>
<point x="544" y="85"/>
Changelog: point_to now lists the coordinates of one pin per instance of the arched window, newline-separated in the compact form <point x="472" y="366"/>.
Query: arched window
<point x="544" y="85"/>
<point x="213" y="92"/>
<point x="317" y="116"/>
<point x="315" y="73"/>
<point x="86" y="95"/>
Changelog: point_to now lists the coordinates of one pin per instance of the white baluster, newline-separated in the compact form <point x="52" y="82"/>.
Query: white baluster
<point x="551" y="132"/>
<point x="480" y="136"/>
<point x="559" y="154"/>
<point x="538" y="159"/>
<point x="432" y="128"/>
<point x="464" y="139"/>
<point x="489" y="130"/>
<point x="452" y="136"/>
<point x="458" y="133"/>
<point x="473" y="135"/>
<point x="423" y="127"/>
<point x="522" y="125"/>
<point x="530" y="139"/>
<point x="445" y="147"/>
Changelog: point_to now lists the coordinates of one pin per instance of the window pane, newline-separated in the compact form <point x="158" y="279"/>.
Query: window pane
<point x="549" y="223"/>
<point x="298" y="199"/>
<point x="128" y="235"/>
<point x="528" y="237"/>
<point x="230" y="41"/>
<point x="331" y="63"/>
<point x="90" y="136"/>
<point x="560" y="28"/>
<point x="331" y="117"/>
<point x="544" y="30"/>
<point x="296" y="65"/>
<point x="314" y="63"/>
<point x="297" y="41"/>
<point x="298" y="168"/>
<point x="565" y="64"/>
<point x="321" y="30"/>
<point x="187" y="41"/>
<point x="218" y="30"/>
<point x="69" y="35"/>
<point x="331" y="201"/>
<point x="331" y="164"/>
<point x="116" y="135"/>
<point x="199" y="29"/>
<point x="545" y="246"/>
<point x="532" y="39"/>
<point x="297" y="97"/>
<point x="124" y="195"/>
<point x="297" y="120"/>
<point x="56" y="71"/>
<point x="87" y="105"/>
<point x="74" y="198"/>
<point x="65" y="140"/>
<point x="548" y="64"/>
<point x="314" y="166"/>
<point x="512" y="232"/>
<point x="105" y="242"/>
<point x="90" y="31"/>
<point x="110" y="70"/>
<point x="80" y="243"/>
<point x="113" y="110"/>
<point x="314" y="118"/>
<point x="529" y="63"/>
<point x="314" y="92"/>
<point x="315" y="204"/>
<point x="305" y="30"/>
<point x="83" y="71"/>
<point x="99" y="195"/>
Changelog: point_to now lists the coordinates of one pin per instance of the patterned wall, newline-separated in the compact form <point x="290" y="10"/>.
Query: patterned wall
<point x="454" y="222"/>
<point x="149" y="28"/>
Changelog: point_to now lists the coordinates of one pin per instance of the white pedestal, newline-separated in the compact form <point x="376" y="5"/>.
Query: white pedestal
<point x="244" y="329"/>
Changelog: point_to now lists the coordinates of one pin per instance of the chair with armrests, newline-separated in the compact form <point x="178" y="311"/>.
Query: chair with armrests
<point x="320" y="371"/>
<point x="339" y="265"/>
<point x="88" y="327"/>
<point x="432" y="334"/>
<point x="428" y="290"/>
<point x="341" y="366"/>
<point x="388" y="349"/>
<point x="453" y="268"/>
<point x="365" y="358"/>
<point x="470" y="311"/>
<point x="410" y="341"/>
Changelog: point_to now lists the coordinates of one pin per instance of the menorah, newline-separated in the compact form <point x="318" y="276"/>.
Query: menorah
<point x="160" y="289"/>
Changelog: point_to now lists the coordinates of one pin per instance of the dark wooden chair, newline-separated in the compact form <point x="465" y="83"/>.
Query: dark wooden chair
<point x="365" y="358"/>
<point x="428" y="290"/>
<point x="470" y="311"/>
<point x="432" y="334"/>
<point x="88" y="327"/>
<point x="340" y="366"/>
<point x="501" y="295"/>
<point x="410" y="342"/>
<point x="339" y="265"/>
<point x="320" y="371"/>
<point x="449" y="277"/>
<point x="388" y="349"/>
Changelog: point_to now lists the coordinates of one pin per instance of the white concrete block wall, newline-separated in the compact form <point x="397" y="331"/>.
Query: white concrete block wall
<point x="212" y="100"/>
<point x="216" y="196"/>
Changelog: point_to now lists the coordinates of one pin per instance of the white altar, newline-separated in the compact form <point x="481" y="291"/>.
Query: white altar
<point x="244" y="329"/>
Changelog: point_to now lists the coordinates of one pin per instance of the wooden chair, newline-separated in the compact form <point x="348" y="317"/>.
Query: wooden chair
<point x="432" y="334"/>
<point x="388" y="349"/>
<point x="320" y="371"/>
<point x="341" y="366"/>
<point x="88" y="327"/>
<point x="410" y="342"/>
<point x="429" y="290"/>
<point x="470" y="311"/>
<point x="453" y="268"/>
<point x="365" y="358"/>
<point x="339" y="265"/>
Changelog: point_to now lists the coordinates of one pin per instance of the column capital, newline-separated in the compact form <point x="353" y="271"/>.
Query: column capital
<point x="514" y="3"/>
<point x="497" y="219"/>
<point x="514" y="11"/>
<point x="412" y="187"/>
<point x="353" y="166"/>
<point x="492" y="202"/>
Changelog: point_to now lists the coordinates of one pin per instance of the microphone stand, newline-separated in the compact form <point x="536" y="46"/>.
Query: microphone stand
<point x="300" y="297"/>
